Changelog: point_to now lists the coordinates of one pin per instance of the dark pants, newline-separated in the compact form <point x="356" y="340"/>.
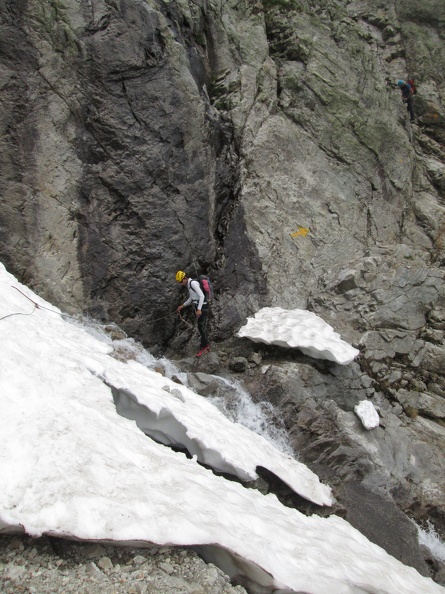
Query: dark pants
<point x="202" y="325"/>
<point x="410" y="107"/>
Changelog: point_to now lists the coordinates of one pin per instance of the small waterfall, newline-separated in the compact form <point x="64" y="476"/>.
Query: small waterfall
<point x="260" y="417"/>
<point x="233" y="400"/>
<point x="126" y="349"/>
<point x="429" y="537"/>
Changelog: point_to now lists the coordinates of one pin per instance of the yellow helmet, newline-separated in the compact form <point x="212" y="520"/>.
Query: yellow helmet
<point x="180" y="276"/>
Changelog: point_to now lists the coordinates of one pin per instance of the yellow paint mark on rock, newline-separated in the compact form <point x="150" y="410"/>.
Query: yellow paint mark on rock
<point x="303" y="231"/>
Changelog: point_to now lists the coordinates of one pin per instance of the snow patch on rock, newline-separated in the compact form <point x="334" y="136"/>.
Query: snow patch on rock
<point x="367" y="413"/>
<point x="301" y="329"/>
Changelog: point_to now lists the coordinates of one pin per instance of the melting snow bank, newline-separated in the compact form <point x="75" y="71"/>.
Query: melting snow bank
<point x="178" y="416"/>
<point x="72" y="467"/>
<point x="300" y="329"/>
<point x="58" y="361"/>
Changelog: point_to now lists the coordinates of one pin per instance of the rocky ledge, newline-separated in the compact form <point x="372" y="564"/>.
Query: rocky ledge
<point x="47" y="565"/>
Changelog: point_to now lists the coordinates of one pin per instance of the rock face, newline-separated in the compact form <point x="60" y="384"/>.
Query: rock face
<point x="139" y="138"/>
<point x="264" y="143"/>
<point x="116" y="168"/>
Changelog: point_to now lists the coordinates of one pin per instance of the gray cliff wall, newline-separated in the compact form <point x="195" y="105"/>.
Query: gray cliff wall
<point x="258" y="143"/>
<point x="264" y="143"/>
<point x="116" y="168"/>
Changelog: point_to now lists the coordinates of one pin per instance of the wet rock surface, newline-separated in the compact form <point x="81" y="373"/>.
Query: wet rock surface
<point x="382" y="479"/>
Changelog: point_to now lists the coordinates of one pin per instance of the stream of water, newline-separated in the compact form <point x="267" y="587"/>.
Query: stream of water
<point x="236" y="403"/>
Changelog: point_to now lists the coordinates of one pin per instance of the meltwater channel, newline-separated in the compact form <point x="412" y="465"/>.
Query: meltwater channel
<point x="231" y="398"/>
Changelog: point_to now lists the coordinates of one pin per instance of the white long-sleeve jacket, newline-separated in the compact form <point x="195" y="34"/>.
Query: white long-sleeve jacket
<point x="196" y="295"/>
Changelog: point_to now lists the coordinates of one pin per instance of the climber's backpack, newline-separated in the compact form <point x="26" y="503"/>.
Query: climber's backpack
<point x="412" y="85"/>
<point x="206" y="286"/>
